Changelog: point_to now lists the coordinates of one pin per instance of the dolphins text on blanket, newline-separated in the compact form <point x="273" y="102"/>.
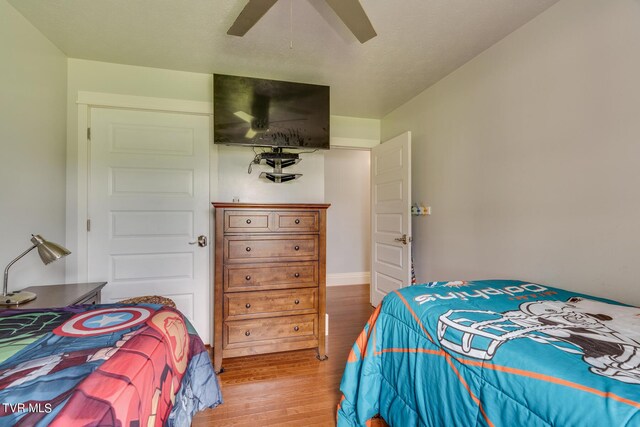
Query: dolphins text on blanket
<point x="485" y="293"/>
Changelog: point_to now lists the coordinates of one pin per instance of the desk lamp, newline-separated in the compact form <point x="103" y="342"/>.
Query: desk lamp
<point x="48" y="252"/>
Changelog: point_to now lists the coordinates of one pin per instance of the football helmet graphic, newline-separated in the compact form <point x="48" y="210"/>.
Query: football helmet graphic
<point x="607" y="336"/>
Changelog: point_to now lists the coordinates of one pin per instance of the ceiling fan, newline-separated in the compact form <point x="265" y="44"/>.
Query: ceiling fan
<point x="349" y="11"/>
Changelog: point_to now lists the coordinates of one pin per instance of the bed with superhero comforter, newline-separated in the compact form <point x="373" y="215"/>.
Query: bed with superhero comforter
<point x="494" y="353"/>
<point x="102" y="365"/>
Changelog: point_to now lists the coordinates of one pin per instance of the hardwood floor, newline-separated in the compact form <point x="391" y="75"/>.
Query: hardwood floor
<point x="292" y="388"/>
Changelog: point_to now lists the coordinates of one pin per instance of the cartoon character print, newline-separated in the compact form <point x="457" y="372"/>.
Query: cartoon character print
<point x="46" y="371"/>
<point x="606" y="335"/>
<point x="113" y="360"/>
<point x="140" y="368"/>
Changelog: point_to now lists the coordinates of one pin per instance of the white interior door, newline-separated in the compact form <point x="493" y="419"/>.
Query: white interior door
<point x="148" y="200"/>
<point x="390" y="216"/>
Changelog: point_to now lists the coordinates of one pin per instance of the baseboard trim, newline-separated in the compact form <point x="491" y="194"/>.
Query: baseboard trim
<point x="342" y="279"/>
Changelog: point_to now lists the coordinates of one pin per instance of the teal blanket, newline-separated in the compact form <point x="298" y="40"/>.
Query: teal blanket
<point x="494" y="353"/>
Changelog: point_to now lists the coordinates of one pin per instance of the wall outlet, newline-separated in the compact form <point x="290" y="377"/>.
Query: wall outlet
<point x="420" y="210"/>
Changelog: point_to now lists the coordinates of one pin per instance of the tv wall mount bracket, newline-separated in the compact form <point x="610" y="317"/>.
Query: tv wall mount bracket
<point x="279" y="160"/>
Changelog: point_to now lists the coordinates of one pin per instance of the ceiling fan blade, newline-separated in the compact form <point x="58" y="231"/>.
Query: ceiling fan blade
<point x="252" y="12"/>
<point x="354" y="17"/>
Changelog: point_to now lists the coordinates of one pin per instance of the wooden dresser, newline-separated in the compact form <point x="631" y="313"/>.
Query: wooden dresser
<point x="270" y="290"/>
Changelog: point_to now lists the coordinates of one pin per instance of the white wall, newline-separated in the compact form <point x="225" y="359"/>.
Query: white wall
<point x="354" y="132"/>
<point x="529" y="156"/>
<point x="234" y="181"/>
<point x="348" y="189"/>
<point x="32" y="142"/>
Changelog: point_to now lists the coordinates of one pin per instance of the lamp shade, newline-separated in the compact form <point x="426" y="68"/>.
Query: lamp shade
<point x="49" y="251"/>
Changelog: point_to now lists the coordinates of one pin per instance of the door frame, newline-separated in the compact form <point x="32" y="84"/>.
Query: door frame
<point x="356" y="277"/>
<point x="78" y="190"/>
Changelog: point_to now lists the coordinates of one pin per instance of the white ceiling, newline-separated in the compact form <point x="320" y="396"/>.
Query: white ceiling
<point x="418" y="42"/>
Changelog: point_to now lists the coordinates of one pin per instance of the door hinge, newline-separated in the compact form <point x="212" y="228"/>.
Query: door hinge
<point x="88" y="225"/>
<point x="89" y="133"/>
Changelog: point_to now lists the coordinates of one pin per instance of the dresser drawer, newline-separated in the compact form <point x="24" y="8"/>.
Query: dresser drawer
<point x="240" y="333"/>
<point x="297" y="221"/>
<point x="270" y="248"/>
<point x="246" y="305"/>
<point x="247" y="221"/>
<point x="253" y="277"/>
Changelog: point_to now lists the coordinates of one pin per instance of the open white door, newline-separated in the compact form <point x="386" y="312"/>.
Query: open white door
<point x="390" y="216"/>
<point x="148" y="203"/>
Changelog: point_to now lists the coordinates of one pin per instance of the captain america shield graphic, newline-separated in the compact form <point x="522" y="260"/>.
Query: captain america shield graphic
<point x="103" y="321"/>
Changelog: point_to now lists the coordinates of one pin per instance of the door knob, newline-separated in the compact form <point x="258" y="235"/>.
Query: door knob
<point x="404" y="239"/>
<point x="202" y="241"/>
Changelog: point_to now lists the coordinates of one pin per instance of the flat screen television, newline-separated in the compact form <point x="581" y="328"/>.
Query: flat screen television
<point x="270" y="113"/>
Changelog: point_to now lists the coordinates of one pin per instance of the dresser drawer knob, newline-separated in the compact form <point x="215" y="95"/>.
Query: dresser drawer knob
<point x="247" y="277"/>
<point x="248" y="249"/>
<point x="296" y="275"/>
<point x="297" y="302"/>
<point x="297" y="248"/>
<point x="247" y="333"/>
<point x="247" y="305"/>
<point x="248" y="221"/>
<point x="295" y="328"/>
<point x="297" y="221"/>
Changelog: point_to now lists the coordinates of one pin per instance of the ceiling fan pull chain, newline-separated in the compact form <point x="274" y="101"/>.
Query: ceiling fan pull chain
<point x="290" y="24"/>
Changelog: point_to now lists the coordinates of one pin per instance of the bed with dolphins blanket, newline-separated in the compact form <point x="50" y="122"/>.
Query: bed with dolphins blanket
<point x="494" y="353"/>
<point x="102" y="365"/>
